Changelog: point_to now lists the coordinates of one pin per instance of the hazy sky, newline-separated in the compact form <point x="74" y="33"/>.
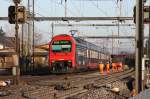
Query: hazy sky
<point x="77" y="8"/>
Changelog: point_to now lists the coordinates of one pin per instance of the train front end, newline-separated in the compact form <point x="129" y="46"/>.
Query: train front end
<point x="62" y="54"/>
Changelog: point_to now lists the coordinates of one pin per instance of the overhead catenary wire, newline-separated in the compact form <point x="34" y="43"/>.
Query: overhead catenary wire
<point x="94" y="1"/>
<point x="101" y="10"/>
<point x="64" y="7"/>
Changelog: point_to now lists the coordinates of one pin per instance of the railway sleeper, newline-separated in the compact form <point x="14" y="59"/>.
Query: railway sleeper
<point x="5" y="93"/>
<point x="65" y="86"/>
<point x="88" y="86"/>
<point x="37" y="94"/>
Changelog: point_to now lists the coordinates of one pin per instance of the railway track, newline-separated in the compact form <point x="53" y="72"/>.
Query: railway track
<point x="64" y="86"/>
<point x="97" y="83"/>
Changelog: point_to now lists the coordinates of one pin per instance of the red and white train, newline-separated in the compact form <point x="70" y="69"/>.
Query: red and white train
<point x="71" y="54"/>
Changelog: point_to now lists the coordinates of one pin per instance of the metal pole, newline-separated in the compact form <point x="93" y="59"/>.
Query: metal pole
<point x="28" y="42"/>
<point x="139" y="44"/>
<point x="33" y="35"/>
<point x="119" y="26"/>
<point x="29" y="32"/>
<point x="148" y="55"/>
<point x="74" y="18"/>
<point x="17" y="70"/>
<point x="22" y="41"/>
<point x="112" y="42"/>
<point x="52" y="30"/>
<point x="93" y="25"/>
<point x="148" y="43"/>
<point x="118" y="35"/>
<point x="65" y="8"/>
<point x="28" y="67"/>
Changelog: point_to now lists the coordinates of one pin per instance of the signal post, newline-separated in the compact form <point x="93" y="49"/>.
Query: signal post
<point x="141" y="17"/>
<point x="139" y="45"/>
<point x="16" y="15"/>
<point x="16" y="71"/>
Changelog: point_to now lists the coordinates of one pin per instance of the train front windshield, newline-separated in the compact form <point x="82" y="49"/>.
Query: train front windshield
<point x="61" y="46"/>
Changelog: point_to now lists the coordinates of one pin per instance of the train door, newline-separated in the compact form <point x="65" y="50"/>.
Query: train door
<point x="76" y="57"/>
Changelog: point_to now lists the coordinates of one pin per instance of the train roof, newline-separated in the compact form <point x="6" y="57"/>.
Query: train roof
<point x="82" y="42"/>
<point x="62" y="35"/>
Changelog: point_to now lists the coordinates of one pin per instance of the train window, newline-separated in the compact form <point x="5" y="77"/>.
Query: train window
<point x="56" y="47"/>
<point x="61" y="42"/>
<point x="61" y="46"/>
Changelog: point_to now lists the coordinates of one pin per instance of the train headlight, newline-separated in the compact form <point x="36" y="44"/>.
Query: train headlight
<point x="53" y="61"/>
<point x="69" y="61"/>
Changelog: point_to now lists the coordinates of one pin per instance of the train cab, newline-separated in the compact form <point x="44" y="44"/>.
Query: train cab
<point x="62" y="53"/>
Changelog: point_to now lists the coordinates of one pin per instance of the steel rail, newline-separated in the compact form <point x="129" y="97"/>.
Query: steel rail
<point x="48" y="92"/>
<point x="98" y="83"/>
